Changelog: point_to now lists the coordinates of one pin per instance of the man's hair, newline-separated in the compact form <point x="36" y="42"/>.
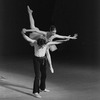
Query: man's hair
<point x="41" y="41"/>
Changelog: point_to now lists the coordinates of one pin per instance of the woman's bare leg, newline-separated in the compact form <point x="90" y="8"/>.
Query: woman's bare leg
<point x="32" y="22"/>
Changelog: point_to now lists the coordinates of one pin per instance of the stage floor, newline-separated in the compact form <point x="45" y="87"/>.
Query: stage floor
<point x="67" y="83"/>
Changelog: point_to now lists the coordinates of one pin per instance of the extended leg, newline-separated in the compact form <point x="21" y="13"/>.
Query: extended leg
<point x="32" y="22"/>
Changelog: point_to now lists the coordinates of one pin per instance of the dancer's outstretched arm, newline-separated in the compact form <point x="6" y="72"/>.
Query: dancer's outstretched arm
<point x="63" y="37"/>
<point x="73" y="37"/>
<point x="53" y="42"/>
<point x="57" y="36"/>
<point x="49" y="60"/>
<point x="68" y="38"/>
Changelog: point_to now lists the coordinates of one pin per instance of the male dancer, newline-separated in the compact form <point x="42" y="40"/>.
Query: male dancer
<point x="41" y="47"/>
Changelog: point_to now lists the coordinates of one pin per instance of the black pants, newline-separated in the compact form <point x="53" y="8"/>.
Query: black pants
<point x="40" y="73"/>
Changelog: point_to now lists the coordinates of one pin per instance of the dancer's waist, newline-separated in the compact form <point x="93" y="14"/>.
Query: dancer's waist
<point x="42" y="57"/>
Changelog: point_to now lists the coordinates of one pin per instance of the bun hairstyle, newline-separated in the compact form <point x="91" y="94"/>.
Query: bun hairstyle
<point x="52" y="28"/>
<point x="41" y="41"/>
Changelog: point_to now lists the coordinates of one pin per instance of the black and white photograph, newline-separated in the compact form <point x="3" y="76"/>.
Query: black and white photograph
<point x="49" y="50"/>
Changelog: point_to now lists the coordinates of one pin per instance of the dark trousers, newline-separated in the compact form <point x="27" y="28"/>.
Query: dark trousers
<point x="40" y="73"/>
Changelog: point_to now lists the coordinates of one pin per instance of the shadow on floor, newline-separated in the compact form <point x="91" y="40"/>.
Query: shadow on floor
<point x="9" y="85"/>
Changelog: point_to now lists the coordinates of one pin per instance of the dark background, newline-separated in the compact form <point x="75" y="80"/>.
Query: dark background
<point x="69" y="17"/>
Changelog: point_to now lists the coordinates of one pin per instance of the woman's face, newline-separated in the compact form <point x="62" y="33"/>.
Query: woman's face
<point x="54" y="32"/>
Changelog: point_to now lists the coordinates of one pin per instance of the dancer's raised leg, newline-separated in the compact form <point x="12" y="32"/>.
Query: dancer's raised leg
<point x="32" y="22"/>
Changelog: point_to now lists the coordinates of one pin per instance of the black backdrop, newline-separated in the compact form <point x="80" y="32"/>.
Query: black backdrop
<point x="69" y="16"/>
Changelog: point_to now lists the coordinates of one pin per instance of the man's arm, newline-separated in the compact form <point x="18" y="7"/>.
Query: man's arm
<point x="53" y="42"/>
<point x="62" y="40"/>
<point x="27" y="38"/>
<point x="49" y="60"/>
<point x="60" y="36"/>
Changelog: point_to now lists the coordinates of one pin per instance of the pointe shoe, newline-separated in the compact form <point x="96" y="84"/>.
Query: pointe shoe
<point x="37" y="95"/>
<point x="29" y="10"/>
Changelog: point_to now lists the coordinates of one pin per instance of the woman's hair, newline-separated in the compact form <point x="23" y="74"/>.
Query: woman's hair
<point x="41" y="41"/>
<point x="52" y="28"/>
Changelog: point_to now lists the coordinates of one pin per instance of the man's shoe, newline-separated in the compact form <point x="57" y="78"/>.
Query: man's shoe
<point x="37" y="95"/>
<point x="45" y="90"/>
